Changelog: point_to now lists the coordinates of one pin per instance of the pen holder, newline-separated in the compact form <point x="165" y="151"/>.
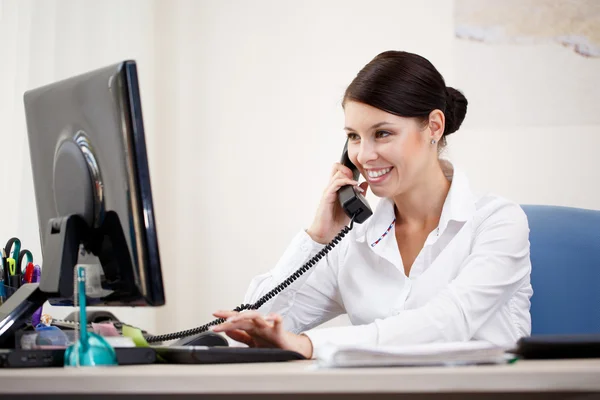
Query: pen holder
<point x="15" y="281"/>
<point x="8" y="291"/>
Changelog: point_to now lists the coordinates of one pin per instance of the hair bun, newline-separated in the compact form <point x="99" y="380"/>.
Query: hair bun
<point x="456" y="109"/>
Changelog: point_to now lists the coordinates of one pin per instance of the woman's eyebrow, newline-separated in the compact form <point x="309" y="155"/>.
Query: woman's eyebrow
<point x="377" y="125"/>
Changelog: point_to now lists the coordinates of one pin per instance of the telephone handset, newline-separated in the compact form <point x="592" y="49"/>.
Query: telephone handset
<point x="356" y="207"/>
<point x="351" y="200"/>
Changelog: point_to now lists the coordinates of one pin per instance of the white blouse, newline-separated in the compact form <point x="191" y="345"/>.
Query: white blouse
<point x="470" y="281"/>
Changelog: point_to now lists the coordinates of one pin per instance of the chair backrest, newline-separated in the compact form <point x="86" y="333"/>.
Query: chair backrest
<point x="565" y="276"/>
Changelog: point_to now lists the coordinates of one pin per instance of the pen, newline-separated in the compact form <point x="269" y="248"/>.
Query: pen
<point x="2" y="290"/>
<point x="4" y="267"/>
<point x="29" y="270"/>
<point x="37" y="274"/>
<point x="14" y="278"/>
<point x="37" y="314"/>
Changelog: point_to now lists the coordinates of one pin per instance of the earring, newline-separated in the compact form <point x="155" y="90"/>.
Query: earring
<point x="432" y="141"/>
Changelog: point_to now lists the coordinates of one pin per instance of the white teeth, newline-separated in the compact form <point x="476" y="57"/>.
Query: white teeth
<point x="376" y="174"/>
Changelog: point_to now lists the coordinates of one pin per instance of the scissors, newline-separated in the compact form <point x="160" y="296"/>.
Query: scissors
<point x="13" y="270"/>
<point x="15" y="244"/>
<point x="27" y="272"/>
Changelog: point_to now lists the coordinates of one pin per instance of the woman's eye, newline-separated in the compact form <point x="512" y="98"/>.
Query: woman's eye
<point x="353" y="137"/>
<point x="382" y="134"/>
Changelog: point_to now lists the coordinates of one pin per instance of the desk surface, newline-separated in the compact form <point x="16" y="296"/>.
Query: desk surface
<point x="304" y="377"/>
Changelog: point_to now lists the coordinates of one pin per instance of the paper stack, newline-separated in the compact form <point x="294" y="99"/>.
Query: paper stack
<point x="454" y="353"/>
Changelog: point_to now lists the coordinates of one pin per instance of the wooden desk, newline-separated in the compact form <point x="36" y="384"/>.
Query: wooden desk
<point x="537" y="379"/>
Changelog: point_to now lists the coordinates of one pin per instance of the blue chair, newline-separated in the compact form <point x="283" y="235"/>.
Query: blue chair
<point x="565" y="276"/>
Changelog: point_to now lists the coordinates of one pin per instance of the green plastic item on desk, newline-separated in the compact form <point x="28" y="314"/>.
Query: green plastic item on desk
<point x="138" y="338"/>
<point x="136" y="335"/>
<point x="91" y="349"/>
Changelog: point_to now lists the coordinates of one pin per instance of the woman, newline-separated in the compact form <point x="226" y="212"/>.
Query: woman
<point x="434" y="263"/>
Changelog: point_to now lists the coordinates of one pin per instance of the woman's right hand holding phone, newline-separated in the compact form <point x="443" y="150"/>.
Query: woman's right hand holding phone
<point x="330" y="217"/>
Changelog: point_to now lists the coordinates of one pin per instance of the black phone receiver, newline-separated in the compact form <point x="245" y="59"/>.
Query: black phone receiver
<point x="351" y="200"/>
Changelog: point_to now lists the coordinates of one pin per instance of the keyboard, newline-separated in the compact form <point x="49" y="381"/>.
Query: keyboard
<point x="223" y="355"/>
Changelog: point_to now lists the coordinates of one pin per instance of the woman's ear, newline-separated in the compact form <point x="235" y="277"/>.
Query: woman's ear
<point x="436" y="124"/>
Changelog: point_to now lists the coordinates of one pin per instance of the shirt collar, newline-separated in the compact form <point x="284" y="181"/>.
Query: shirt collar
<point x="458" y="206"/>
<point x="460" y="201"/>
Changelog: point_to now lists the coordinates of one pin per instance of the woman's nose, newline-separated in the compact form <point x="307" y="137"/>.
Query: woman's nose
<point x="366" y="153"/>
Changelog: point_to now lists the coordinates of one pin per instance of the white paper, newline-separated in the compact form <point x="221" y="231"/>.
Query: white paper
<point x="453" y="353"/>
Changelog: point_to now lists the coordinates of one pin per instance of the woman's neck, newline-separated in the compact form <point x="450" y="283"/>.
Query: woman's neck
<point x="421" y="206"/>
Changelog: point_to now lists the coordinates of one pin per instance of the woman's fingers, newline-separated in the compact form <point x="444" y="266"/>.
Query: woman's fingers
<point x="251" y="314"/>
<point x="249" y="321"/>
<point x="248" y="325"/>
<point x="276" y="319"/>
<point x="341" y="175"/>
<point x="334" y="169"/>
<point x="337" y="183"/>
<point x="339" y="180"/>
<point x="253" y="329"/>
<point x="225" y="313"/>
<point x="254" y="317"/>
<point x="340" y="168"/>
<point x="241" y="336"/>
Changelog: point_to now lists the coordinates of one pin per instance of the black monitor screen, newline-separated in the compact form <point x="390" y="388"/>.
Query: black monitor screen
<point x="88" y="158"/>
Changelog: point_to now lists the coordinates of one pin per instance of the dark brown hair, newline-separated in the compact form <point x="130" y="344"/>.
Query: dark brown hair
<point x="407" y="85"/>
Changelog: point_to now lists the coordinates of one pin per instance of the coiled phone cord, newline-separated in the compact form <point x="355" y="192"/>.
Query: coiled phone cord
<point x="260" y="302"/>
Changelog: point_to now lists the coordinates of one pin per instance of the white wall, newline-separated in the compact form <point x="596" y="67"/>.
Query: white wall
<point x="242" y="110"/>
<point x="531" y="132"/>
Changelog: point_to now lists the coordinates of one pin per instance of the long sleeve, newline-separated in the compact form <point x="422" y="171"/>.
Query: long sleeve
<point x="497" y="266"/>
<point x="313" y="298"/>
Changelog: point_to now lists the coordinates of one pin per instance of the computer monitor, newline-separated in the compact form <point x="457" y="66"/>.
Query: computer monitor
<point x="93" y="195"/>
<point x="92" y="188"/>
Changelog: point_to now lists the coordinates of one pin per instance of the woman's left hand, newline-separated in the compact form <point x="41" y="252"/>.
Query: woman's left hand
<point x="251" y="328"/>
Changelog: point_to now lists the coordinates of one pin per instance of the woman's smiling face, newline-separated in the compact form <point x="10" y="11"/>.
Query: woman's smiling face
<point x="391" y="152"/>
